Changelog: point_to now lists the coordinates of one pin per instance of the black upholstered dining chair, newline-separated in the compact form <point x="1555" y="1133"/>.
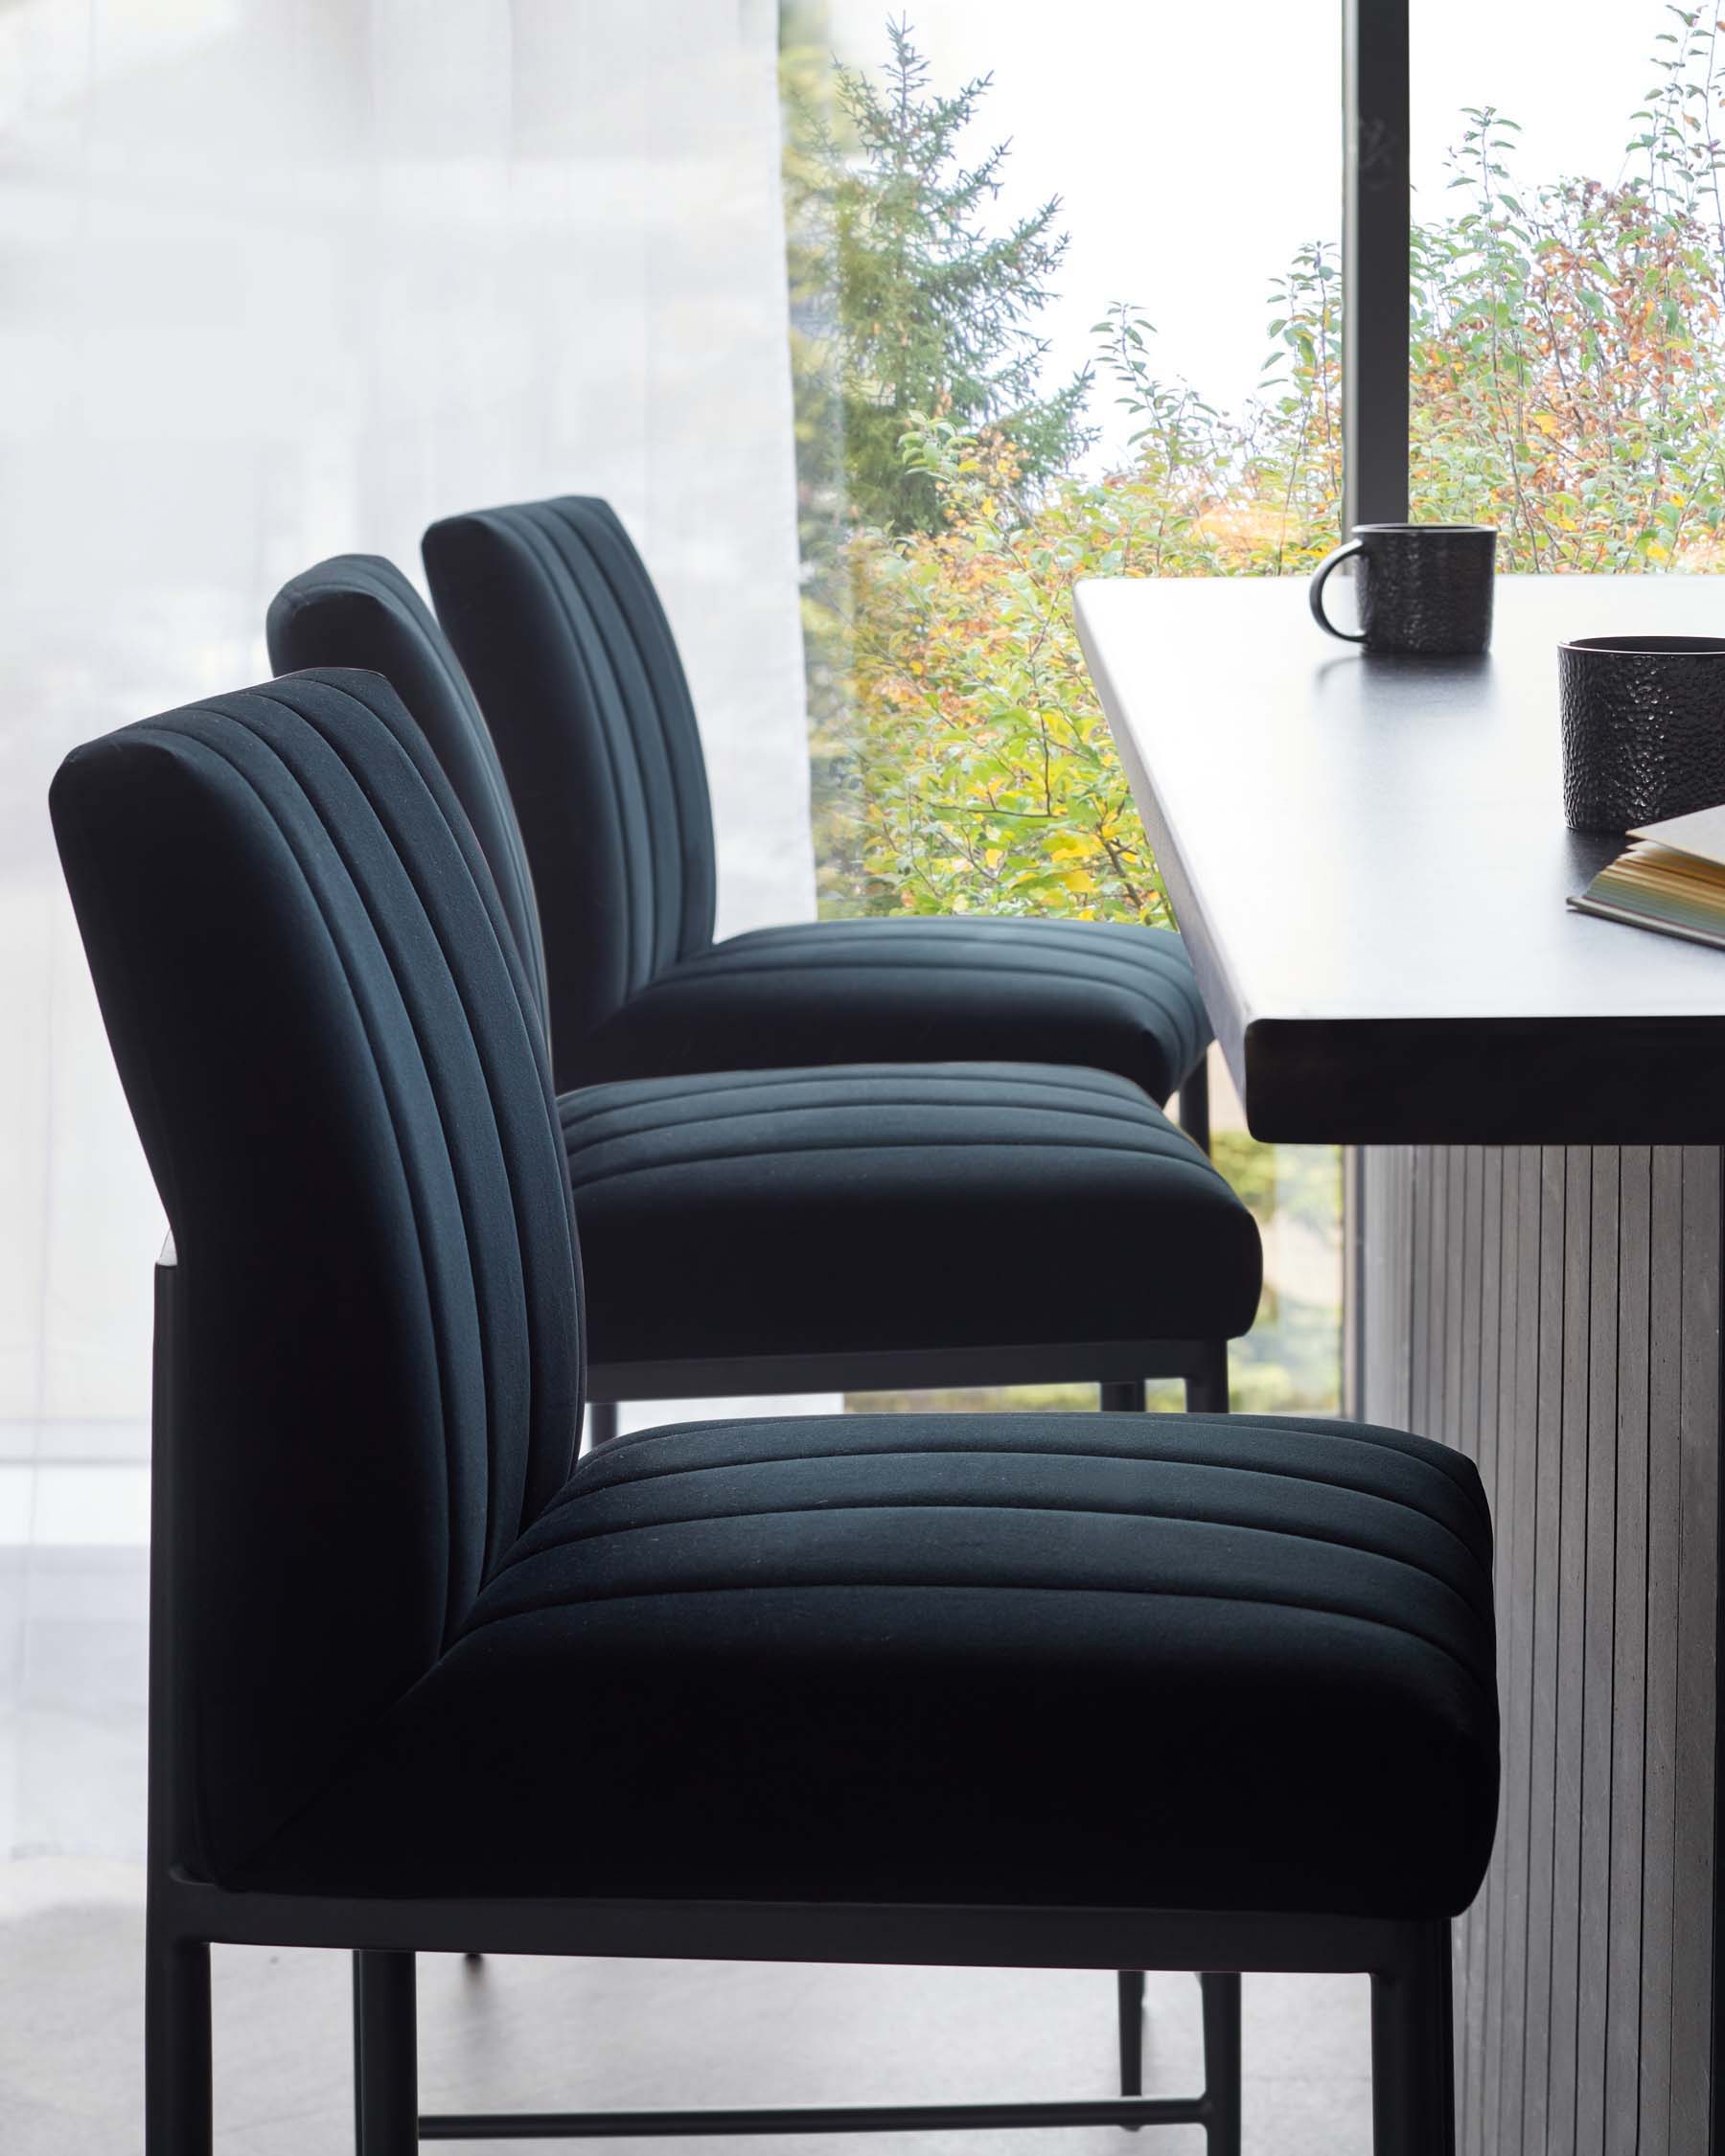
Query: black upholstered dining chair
<point x="567" y="645"/>
<point x="851" y="1184"/>
<point x="1210" y="1692"/>
<point x="852" y="1189"/>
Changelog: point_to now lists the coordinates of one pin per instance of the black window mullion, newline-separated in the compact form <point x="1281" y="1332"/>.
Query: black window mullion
<point x="1375" y="215"/>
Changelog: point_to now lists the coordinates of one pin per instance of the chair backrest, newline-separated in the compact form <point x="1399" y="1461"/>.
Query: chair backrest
<point x="328" y="1046"/>
<point x="556" y="620"/>
<point x="359" y="609"/>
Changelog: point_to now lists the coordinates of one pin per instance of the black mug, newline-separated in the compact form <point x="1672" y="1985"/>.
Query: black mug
<point x="1643" y="728"/>
<point x="1423" y="588"/>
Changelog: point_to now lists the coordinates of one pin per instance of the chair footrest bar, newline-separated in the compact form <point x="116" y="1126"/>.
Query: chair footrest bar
<point x="851" y="2119"/>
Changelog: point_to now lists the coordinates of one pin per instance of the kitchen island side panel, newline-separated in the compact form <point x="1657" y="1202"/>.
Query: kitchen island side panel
<point x="1553" y="1311"/>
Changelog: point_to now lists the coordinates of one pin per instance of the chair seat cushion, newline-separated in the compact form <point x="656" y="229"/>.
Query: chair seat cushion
<point x="958" y="989"/>
<point x="1165" y="1661"/>
<point x="897" y="1207"/>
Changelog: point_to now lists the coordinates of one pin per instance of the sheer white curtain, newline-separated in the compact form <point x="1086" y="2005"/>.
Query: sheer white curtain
<point x="287" y="277"/>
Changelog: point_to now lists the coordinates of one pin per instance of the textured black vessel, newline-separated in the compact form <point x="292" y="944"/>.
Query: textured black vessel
<point x="1424" y="589"/>
<point x="1643" y="728"/>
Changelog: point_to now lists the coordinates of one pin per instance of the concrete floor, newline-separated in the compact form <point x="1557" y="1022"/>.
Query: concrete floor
<point x="543" y="2036"/>
<point x="522" y="2033"/>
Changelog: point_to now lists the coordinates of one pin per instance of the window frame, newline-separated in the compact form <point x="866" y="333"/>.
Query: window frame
<point x="1377" y="231"/>
<point x="1376" y="300"/>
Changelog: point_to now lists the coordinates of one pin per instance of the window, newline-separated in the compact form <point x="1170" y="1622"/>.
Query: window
<point x="1052" y="319"/>
<point x="1567" y="363"/>
<point x="287" y="281"/>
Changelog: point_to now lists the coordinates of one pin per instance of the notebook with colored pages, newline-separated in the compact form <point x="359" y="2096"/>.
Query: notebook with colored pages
<point x="1671" y="880"/>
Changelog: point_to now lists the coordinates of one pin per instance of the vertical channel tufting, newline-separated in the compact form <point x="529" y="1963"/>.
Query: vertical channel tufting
<point x="610" y="687"/>
<point x="359" y="610"/>
<point x="574" y="664"/>
<point x="591" y="688"/>
<point x="489" y="1481"/>
<point x="608" y="565"/>
<point x="497" y="602"/>
<point x="392" y="981"/>
<point x="334" y="1065"/>
<point x="424" y="823"/>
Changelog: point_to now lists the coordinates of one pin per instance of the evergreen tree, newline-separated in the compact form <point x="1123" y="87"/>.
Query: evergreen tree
<point x="906" y="304"/>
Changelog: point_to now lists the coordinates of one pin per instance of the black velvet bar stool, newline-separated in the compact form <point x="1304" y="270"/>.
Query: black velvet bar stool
<point x="1025" y="1690"/>
<point x="567" y="645"/>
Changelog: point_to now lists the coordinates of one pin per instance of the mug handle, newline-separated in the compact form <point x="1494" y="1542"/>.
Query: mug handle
<point x="1314" y="590"/>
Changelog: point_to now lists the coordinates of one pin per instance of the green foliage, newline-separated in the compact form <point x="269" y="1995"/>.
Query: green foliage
<point x="923" y="307"/>
<point x="1567" y="371"/>
<point x="986" y="776"/>
<point x="982" y="772"/>
<point x="807" y="94"/>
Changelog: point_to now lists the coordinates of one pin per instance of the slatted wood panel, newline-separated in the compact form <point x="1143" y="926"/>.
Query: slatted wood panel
<point x="1554" y="1313"/>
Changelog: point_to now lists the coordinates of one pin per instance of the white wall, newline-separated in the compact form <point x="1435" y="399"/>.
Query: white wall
<point x="285" y="277"/>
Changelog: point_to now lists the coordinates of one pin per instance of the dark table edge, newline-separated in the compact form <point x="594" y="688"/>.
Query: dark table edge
<point x="1486" y="1081"/>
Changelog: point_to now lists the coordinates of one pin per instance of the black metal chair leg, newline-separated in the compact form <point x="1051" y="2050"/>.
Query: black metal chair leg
<point x="385" y="2054"/>
<point x="358" y="2066"/>
<point x="1206" y="1393"/>
<point x="1194" y="1103"/>
<point x="602" y="1421"/>
<point x="1413" y="2050"/>
<point x="1207" y="1388"/>
<point x="176" y="2046"/>
<point x="1128" y="1398"/>
<point x="1221" y="1991"/>
<point x="1129" y="1990"/>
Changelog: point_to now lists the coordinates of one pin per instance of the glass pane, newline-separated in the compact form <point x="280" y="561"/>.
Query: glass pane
<point x="1020" y="360"/>
<point x="1569" y="207"/>
<point x="286" y="281"/>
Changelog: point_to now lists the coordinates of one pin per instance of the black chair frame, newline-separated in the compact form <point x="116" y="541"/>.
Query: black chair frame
<point x="1120" y="1369"/>
<point x="1408" y="1961"/>
<point x="1193" y="1103"/>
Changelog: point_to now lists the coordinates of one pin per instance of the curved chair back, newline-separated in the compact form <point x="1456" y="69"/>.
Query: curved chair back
<point x="359" y="609"/>
<point x="555" y="618"/>
<point x="329" y="1050"/>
